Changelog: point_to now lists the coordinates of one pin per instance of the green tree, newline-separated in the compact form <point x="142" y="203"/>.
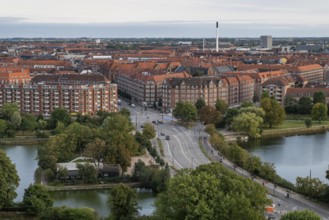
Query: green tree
<point x="209" y="115"/>
<point x="121" y="147"/>
<point x="88" y="172"/>
<point x="200" y="103"/>
<point x="41" y="124"/>
<point x="36" y="199"/>
<point x="308" y="123"/>
<point x="221" y="106"/>
<point x="274" y="113"/>
<point x="148" y="131"/>
<point x="65" y="213"/>
<point x="125" y="112"/>
<point x="28" y="122"/>
<point x="301" y="215"/>
<point x="211" y="192"/>
<point x="311" y="187"/>
<point x="123" y="202"/>
<point x="230" y="114"/>
<point x="265" y="95"/>
<point x="319" y="112"/>
<point x="59" y="114"/>
<point x="253" y="109"/>
<point x="304" y="105"/>
<point x="319" y="97"/>
<point x="117" y="123"/>
<point x="96" y="149"/>
<point x="290" y="105"/>
<point x="7" y="110"/>
<point x="247" y="104"/>
<point x="237" y="154"/>
<point x="9" y="180"/>
<point x="3" y="128"/>
<point x="249" y="123"/>
<point x="267" y="170"/>
<point x="185" y="112"/>
<point x="16" y="119"/>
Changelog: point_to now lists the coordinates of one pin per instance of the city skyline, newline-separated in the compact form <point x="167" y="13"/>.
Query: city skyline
<point x="194" y="18"/>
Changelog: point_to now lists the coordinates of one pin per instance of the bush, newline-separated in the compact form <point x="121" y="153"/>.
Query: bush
<point x="308" y="123"/>
<point x="41" y="134"/>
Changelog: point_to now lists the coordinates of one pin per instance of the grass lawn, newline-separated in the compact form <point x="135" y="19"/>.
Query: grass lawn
<point x="297" y="124"/>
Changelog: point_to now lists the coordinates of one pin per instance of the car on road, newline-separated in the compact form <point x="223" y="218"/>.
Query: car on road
<point x="167" y="137"/>
<point x="133" y="105"/>
<point x="155" y="122"/>
<point x="162" y="134"/>
<point x="160" y="122"/>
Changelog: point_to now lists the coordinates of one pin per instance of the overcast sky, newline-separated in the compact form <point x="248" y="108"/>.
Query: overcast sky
<point x="166" y="18"/>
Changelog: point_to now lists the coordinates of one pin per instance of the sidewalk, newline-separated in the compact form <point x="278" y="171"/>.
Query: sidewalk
<point x="294" y="199"/>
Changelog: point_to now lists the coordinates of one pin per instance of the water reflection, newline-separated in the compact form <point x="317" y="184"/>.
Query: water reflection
<point x="24" y="157"/>
<point x="294" y="156"/>
<point x="97" y="199"/>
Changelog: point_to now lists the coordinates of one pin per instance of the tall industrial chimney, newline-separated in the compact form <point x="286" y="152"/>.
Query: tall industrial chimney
<point x="216" y="36"/>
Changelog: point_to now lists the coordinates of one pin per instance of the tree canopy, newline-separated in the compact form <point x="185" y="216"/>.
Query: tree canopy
<point x="319" y="112"/>
<point x="36" y="199"/>
<point x="148" y="131"/>
<point x="123" y="202"/>
<point x="221" y="106"/>
<point x="301" y="215"/>
<point x="211" y="192"/>
<point x="200" y="103"/>
<point x="319" y="97"/>
<point x="209" y="115"/>
<point x="185" y="112"/>
<point x="9" y="180"/>
<point x="65" y="213"/>
<point x="7" y="110"/>
<point x="248" y="122"/>
<point x="274" y="113"/>
<point x="59" y="114"/>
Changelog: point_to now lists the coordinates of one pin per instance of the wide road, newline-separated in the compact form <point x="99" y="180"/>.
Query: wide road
<point x="182" y="150"/>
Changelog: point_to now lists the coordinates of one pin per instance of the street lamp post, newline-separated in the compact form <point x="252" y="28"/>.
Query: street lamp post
<point x="173" y="156"/>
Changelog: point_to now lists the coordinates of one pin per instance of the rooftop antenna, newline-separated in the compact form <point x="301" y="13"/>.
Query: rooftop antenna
<point x="216" y="36"/>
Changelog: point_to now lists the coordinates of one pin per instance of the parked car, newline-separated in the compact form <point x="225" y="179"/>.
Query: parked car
<point x="168" y="137"/>
<point x="160" y="122"/>
<point x="155" y="122"/>
<point x="133" y="105"/>
<point x="162" y="134"/>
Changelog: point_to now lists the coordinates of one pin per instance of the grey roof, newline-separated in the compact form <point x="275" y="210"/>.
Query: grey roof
<point x="223" y="69"/>
<point x="196" y="81"/>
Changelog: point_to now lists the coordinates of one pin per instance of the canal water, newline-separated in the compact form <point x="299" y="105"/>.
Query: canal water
<point x="24" y="157"/>
<point x="294" y="156"/>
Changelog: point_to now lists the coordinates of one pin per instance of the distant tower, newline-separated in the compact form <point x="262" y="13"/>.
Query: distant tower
<point x="203" y="45"/>
<point x="216" y="36"/>
<point x="266" y="41"/>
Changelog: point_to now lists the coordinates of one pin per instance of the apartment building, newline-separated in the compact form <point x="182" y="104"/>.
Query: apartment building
<point x="297" y="93"/>
<point x="231" y="89"/>
<point x="76" y="96"/>
<point x="312" y="73"/>
<point x="14" y="75"/>
<point x="277" y="87"/>
<point x="143" y="87"/>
